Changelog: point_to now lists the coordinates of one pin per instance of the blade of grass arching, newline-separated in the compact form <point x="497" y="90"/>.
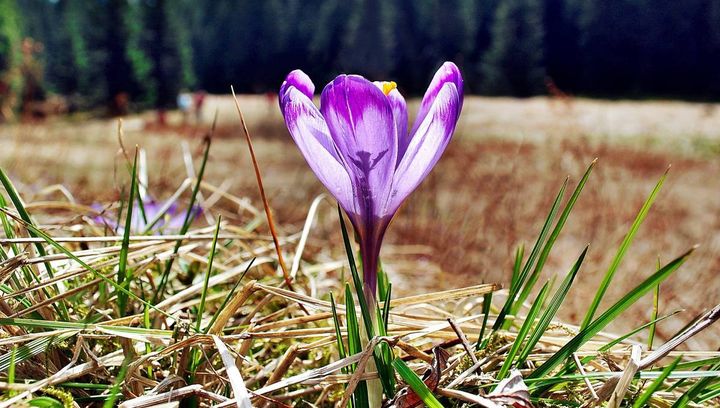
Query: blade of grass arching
<point x="549" y="313"/>
<point x="551" y="241"/>
<point x="523" y="332"/>
<point x="515" y="288"/>
<point x="487" y="301"/>
<point x="622" y="250"/>
<point x="385" y="373"/>
<point x="611" y="313"/>
<point x="48" y="239"/>
<point x="630" y="334"/>
<point x="360" y="396"/>
<point x="654" y="314"/>
<point x="60" y="308"/>
<point x="417" y="385"/>
<point x="186" y="222"/>
<point x="211" y="258"/>
<point x="568" y="368"/>
<point x="655" y="385"/>
<point x="228" y="297"/>
<point x="123" y="277"/>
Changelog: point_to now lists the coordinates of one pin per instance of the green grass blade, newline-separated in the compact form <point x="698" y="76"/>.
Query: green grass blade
<point x="655" y="385"/>
<point x="364" y="309"/>
<point x="360" y="395"/>
<point x="487" y="302"/>
<point x="549" y="313"/>
<point x="9" y="233"/>
<point x="123" y="277"/>
<point x="228" y="297"/>
<point x="115" y="392"/>
<point x="611" y="313"/>
<point x="338" y="330"/>
<point x="31" y="349"/>
<point x="517" y="266"/>
<point x="654" y="314"/>
<point x="553" y="237"/>
<point x="383" y="281"/>
<point x="519" y="282"/>
<point x="622" y="250"/>
<point x="211" y="258"/>
<point x="523" y="332"/>
<point x="186" y="223"/>
<point x="385" y="372"/>
<point x="416" y="384"/>
<point x="693" y="393"/>
<point x="82" y="263"/>
<point x="632" y="333"/>
<point x="24" y="215"/>
<point x="386" y="310"/>
<point x="60" y="307"/>
<point x="11" y="369"/>
<point x="353" y="327"/>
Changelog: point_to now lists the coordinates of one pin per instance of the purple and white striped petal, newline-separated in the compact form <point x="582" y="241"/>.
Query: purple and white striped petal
<point x="427" y="145"/>
<point x="448" y="73"/>
<point x="300" y="81"/>
<point x="400" y="113"/>
<point x="310" y="132"/>
<point x="361" y="123"/>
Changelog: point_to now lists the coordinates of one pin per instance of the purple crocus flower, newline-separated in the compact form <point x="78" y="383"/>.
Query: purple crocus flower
<point x="359" y="146"/>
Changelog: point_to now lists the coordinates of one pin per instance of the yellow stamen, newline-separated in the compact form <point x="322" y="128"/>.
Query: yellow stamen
<point x="387" y="87"/>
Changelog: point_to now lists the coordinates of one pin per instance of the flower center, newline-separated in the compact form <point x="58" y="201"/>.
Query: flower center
<point x="387" y="87"/>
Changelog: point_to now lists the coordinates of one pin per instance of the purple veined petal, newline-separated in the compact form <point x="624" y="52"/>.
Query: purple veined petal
<point x="300" y="81"/>
<point x="310" y="132"/>
<point x="362" y="126"/>
<point x="448" y="72"/>
<point x="399" y="108"/>
<point x="318" y="127"/>
<point x="400" y="114"/>
<point x="427" y="145"/>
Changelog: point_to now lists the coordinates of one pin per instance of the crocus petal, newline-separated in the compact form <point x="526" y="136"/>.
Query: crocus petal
<point x="400" y="113"/>
<point x="300" y="81"/>
<point x="361" y="124"/>
<point x="427" y="145"/>
<point x="448" y="73"/>
<point x="310" y="132"/>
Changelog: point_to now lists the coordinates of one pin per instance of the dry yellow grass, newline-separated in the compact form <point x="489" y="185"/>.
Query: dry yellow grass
<point x="489" y="193"/>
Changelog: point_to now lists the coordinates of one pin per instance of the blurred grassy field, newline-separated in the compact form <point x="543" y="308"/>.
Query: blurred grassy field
<point x="488" y="194"/>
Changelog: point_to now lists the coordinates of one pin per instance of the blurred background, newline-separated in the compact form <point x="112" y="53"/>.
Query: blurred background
<point x="144" y="52"/>
<point x="551" y="84"/>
